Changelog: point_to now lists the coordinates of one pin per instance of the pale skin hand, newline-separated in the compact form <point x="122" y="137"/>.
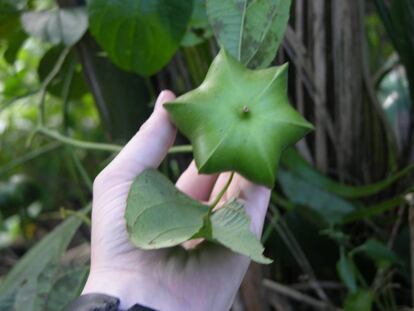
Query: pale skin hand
<point x="206" y="278"/>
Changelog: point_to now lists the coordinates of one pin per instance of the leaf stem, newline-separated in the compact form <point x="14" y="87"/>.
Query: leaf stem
<point x="78" y="214"/>
<point x="47" y="81"/>
<point x="221" y="194"/>
<point x="81" y="169"/>
<point x="78" y="143"/>
<point x="180" y="149"/>
<point x="99" y="146"/>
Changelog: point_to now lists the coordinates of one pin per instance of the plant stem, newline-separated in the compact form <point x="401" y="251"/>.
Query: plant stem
<point x="78" y="214"/>
<point x="81" y="169"/>
<point x="180" y="149"/>
<point x="43" y="89"/>
<point x="78" y="143"/>
<point x="298" y="254"/>
<point x="296" y="295"/>
<point x="99" y="146"/>
<point x="67" y="86"/>
<point x="221" y="194"/>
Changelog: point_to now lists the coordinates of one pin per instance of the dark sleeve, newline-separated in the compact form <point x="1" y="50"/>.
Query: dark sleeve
<point x="100" y="302"/>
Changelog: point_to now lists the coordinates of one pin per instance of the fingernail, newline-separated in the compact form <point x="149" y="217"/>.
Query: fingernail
<point x="164" y="96"/>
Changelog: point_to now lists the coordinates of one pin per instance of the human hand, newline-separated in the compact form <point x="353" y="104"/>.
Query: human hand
<point x="204" y="278"/>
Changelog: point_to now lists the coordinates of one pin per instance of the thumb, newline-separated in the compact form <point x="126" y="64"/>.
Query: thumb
<point x="150" y="144"/>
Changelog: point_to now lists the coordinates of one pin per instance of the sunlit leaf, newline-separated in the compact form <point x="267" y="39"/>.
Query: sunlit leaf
<point x="394" y="96"/>
<point x="397" y="17"/>
<point x="250" y="30"/>
<point x="65" y="26"/>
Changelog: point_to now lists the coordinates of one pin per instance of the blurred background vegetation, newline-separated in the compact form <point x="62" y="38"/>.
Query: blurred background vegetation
<point x="341" y="222"/>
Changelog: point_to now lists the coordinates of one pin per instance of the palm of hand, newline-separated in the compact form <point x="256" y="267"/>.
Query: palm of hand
<point x="204" y="278"/>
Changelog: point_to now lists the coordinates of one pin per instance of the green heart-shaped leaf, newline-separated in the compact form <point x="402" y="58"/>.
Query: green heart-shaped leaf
<point x="239" y="119"/>
<point x="139" y="36"/>
<point x="159" y="216"/>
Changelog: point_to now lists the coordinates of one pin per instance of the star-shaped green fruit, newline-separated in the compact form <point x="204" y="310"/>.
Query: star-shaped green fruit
<point x="239" y="119"/>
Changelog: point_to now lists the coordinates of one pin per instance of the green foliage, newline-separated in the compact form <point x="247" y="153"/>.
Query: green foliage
<point x="198" y="27"/>
<point x="331" y="208"/>
<point x="346" y="270"/>
<point x="9" y="18"/>
<point x="230" y="226"/>
<point x="158" y="215"/>
<point x="394" y="96"/>
<point x="397" y="16"/>
<point x="296" y="164"/>
<point x="327" y="230"/>
<point x="156" y="26"/>
<point x="361" y="301"/>
<point x="250" y="120"/>
<point x="379" y="253"/>
<point x="67" y="286"/>
<point x="15" y="41"/>
<point x="250" y="30"/>
<point x="27" y="286"/>
<point x="16" y="194"/>
<point x="70" y="73"/>
<point x="56" y="26"/>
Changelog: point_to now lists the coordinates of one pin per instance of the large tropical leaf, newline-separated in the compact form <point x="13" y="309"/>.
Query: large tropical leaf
<point x="139" y="36"/>
<point x="251" y="31"/>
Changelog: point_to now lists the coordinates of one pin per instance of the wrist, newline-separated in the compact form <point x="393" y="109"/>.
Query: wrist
<point x="131" y="289"/>
<point x="113" y="285"/>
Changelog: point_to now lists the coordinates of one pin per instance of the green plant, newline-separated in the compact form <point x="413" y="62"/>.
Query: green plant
<point x="337" y="223"/>
<point x="237" y="120"/>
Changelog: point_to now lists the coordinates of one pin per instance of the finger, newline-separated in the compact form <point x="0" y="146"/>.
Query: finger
<point x="150" y="144"/>
<point x="197" y="186"/>
<point x="256" y="201"/>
